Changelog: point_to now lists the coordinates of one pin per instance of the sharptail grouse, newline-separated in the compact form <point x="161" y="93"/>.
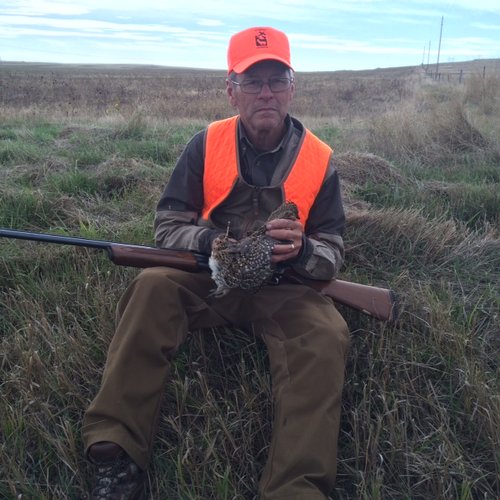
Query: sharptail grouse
<point x="246" y="263"/>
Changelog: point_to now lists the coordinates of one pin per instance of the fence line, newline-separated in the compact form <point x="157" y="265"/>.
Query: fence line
<point x="457" y="76"/>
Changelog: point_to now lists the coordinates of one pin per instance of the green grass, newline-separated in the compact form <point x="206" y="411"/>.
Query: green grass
<point x="85" y="145"/>
<point x="26" y="208"/>
<point x="472" y="204"/>
<point x="468" y="172"/>
<point x="328" y="134"/>
<point x="73" y="183"/>
<point x="22" y="143"/>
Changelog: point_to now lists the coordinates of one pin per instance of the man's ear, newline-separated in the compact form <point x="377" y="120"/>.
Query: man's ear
<point x="292" y="90"/>
<point x="230" y="93"/>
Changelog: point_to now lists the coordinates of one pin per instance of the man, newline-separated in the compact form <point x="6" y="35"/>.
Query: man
<point x="237" y="171"/>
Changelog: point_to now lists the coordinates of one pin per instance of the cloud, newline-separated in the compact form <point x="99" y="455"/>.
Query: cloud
<point x="44" y="8"/>
<point x="83" y="25"/>
<point x="484" y="26"/>
<point x="28" y="32"/>
<point x="209" y="22"/>
<point x="474" y="5"/>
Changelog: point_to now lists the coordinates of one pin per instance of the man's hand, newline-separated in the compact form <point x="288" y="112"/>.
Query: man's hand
<point x="289" y="233"/>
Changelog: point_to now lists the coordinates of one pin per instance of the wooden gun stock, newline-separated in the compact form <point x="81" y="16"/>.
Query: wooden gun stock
<point x="377" y="302"/>
<point x="142" y="256"/>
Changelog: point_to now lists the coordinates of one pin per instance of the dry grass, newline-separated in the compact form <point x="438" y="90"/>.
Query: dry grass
<point x="441" y="134"/>
<point x="421" y="412"/>
<point x="353" y="166"/>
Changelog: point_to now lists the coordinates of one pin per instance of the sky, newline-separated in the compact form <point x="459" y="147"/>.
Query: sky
<point x="325" y="35"/>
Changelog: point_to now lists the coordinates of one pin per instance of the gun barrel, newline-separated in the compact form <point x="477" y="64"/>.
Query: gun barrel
<point x="54" y="238"/>
<point x="123" y="254"/>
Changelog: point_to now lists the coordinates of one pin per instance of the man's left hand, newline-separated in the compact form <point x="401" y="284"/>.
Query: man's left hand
<point x="289" y="233"/>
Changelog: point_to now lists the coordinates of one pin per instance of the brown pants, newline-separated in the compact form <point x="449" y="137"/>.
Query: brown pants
<point x="307" y="340"/>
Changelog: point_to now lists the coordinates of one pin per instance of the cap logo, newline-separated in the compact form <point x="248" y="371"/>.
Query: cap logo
<point x="261" y="39"/>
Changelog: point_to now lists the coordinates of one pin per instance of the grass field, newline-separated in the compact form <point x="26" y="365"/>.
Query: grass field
<point x="86" y="151"/>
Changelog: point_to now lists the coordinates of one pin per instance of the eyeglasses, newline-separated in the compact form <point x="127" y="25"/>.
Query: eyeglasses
<point x="256" y="86"/>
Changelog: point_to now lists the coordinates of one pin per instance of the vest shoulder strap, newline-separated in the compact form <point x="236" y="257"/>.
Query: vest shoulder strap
<point x="221" y="162"/>
<point x="306" y="177"/>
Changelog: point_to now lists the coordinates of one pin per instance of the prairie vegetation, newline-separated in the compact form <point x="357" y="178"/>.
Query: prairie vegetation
<point x="86" y="151"/>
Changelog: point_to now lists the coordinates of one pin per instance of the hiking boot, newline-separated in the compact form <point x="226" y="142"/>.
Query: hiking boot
<point x="117" y="476"/>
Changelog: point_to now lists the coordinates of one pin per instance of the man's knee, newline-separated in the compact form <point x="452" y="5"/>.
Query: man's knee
<point x="157" y="282"/>
<point x="153" y="277"/>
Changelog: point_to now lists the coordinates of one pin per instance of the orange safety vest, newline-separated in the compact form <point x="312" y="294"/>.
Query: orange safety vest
<point x="221" y="168"/>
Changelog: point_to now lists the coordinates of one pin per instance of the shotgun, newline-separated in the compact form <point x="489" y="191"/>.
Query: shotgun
<point x="378" y="302"/>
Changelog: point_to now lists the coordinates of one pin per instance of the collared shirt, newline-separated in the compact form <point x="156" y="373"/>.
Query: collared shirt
<point x="258" y="167"/>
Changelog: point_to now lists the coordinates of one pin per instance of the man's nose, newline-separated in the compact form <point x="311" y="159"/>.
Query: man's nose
<point x="266" y="91"/>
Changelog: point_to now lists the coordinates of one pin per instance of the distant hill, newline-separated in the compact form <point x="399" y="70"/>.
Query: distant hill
<point x="472" y="66"/>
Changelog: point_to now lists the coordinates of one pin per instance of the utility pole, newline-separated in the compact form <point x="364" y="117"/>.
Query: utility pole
<point x="428" y="57"/>
<point x="439" y="48"/>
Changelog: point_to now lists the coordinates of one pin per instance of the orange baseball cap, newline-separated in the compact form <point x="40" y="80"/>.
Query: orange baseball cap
<point x="257" y="44"/>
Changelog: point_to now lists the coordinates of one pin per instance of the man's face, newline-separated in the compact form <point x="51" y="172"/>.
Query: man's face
<point x="266" y="110"/>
